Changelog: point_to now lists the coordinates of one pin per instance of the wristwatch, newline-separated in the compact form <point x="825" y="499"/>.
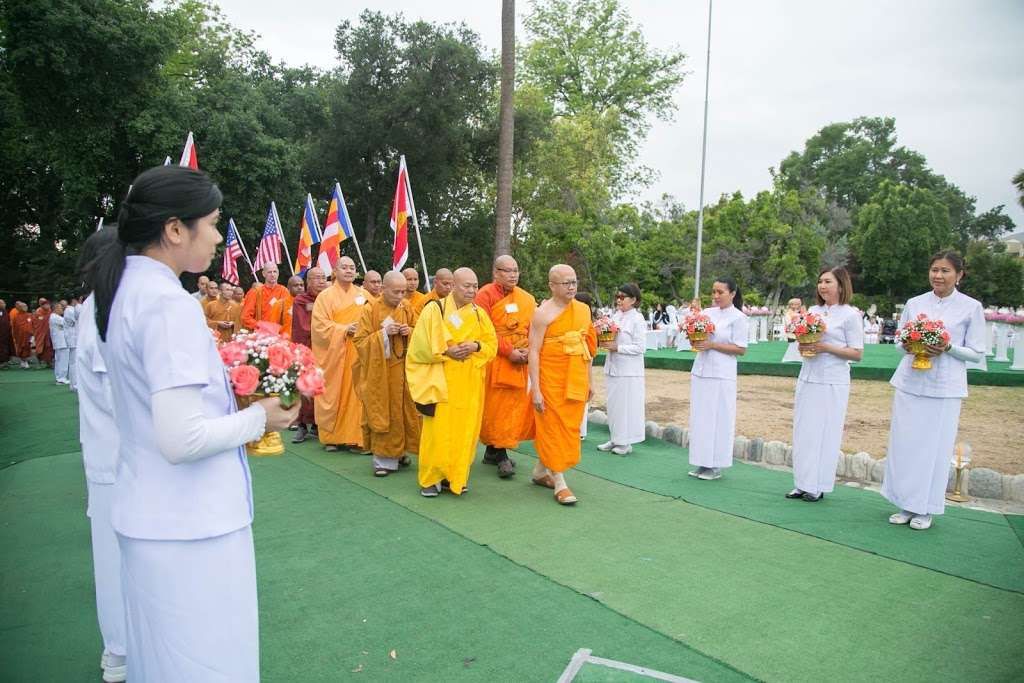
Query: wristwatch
<point x="479" y="347"/>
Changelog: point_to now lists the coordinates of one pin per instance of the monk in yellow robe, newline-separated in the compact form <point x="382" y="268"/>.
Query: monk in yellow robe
<point x="336" y="315"/>
<point x="562" y="347"/>
<point x="391" y="425"/>
<point x="224" y="316"/>
<point x="413" y="295"/>
<point x="451" y="345"/>
<point x="508" y="410"/>
<point x="295" y="287"/>
<point x="372" y="284"/>
<point x="264" y="302"/>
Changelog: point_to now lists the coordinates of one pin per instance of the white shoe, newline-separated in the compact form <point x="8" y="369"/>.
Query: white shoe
<point x="606" y="446"/>
<point x="115" y="669"/>
<point x="901" y="517"/>
<point x="709" y="474"/>
<point x="622" y="450"/>
<point x="921" y="522"/>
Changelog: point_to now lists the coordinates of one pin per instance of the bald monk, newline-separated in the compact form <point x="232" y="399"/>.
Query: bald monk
<point x="238" y="296"/>
<point x="562" y="346"/>
<point x="508" y="410"/>
<point x="295" y="287"/>
<point x="412" y="289"/>
<point x="41" y="332"/>
<point x="21" y="332"/>
<point x="335" y="319"/>
<point x="200" y="293"/>
<point x="391" y="425"/>
<point x="224" y="316"/>
<point x="443" y="281"/>
<point x="6" y="340"/>
<point x="302" y="320"/>
<point x="451" y="345"/>
<point x="372" y="284"/>
<point x="263" y="302"/>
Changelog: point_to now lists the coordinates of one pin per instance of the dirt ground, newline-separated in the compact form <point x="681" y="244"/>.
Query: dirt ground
<point x="992" y="420"/>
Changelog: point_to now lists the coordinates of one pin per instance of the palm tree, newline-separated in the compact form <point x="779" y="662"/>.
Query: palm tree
<point x="506" y="119"/>
<point x="1018" y="180"/>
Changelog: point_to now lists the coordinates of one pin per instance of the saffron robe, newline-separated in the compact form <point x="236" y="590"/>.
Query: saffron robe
<point x="569" y="345"/>
<point x="417" y="300"/>
<point x="263" y="303"/>
<point x="508" y="408"/>
<point x="21" y="333"/>
<point x="6" y="339"/>
<point x="338" y="410"/>
<point x="286" y="315"/>
<point x="218" y="311"/>
<point x="41" y="331"/>
<point x="448" y="439"/>
<point x="391" y="425"/>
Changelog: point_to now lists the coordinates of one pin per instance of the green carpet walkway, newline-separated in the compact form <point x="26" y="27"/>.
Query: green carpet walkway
<point x="505" y="585"/>
<point x="878" y="363"/>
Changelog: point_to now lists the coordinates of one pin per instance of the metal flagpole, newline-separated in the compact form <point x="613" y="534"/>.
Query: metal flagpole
<point x="416" y="222"/>
<point x="245" y="252"/>
<point x="703" y="159"/>
<point x="284" y="242"/>
<point x="316" y="219"/>
<point x="348" y="222"/>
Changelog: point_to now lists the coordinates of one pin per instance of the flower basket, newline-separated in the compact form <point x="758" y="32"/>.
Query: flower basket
<point x="697" y="336"/>
<point x="270" y="444"/>
<point x="920" y="333"/>
<point x="811" y="338"/>
<point x="604" y="337"/>
<point x="921" y="359"/>
<point x="606" y="329"/>
<point x="806" y="328"/>
<point x="698" y="327"/>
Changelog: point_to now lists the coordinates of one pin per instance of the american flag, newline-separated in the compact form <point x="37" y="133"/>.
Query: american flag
<point x="269" y="250"/>
<point x="232" y="252"/>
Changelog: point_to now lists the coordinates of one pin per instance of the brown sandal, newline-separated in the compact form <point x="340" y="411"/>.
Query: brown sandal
<point x="546" y="481"/>
<point x="565" y="497"/>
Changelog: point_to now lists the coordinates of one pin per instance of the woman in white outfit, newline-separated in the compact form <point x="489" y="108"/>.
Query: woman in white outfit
<point x="60" y="344"/>
<point x="182" y="504"/>
<point x="624" y="370"/>
<point x="713" y="382"/>
<point x="926" y="405"/>
<point x="823" y="388"/>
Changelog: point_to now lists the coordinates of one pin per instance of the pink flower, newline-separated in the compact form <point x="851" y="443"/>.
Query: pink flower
<point x="279" y="359"/>
<point x="233" y="353"/>
<point x="915" y="335"/>
<point x="245" y="379"/>
<point x="268" y="328"/>
<point x="310" y="382"/>
<point x="303" y="355"/>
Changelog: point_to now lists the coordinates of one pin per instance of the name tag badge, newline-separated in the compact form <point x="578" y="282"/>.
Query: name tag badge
<point x="309" y="307"/>
<point x="360" y="300"/>
<point x="455" y="320"/>
<point x="273" y="301"/>
<point x="511" y="308"/>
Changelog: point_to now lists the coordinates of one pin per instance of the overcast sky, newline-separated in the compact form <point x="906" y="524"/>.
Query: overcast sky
<point x="950" y="71"/>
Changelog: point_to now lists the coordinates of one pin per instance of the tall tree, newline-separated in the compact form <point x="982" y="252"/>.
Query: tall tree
<point x="506" y="130"/>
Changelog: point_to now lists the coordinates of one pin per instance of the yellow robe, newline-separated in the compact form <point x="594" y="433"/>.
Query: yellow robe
<point x="569" y="345"/>
<point x="338" y="410"/>
<point x="417" y="300"/>
<point x="391" y="425"/>
<point x="217" y="312"/>
<point x="448" y="439"/>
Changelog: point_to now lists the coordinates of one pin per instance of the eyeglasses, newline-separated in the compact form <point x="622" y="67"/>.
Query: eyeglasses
<point x="622" y="296"/>
<point x="508" y="270"/>
<point x="567" y="283"/>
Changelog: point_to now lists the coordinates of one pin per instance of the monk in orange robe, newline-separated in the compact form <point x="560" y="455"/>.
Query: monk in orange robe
<point x="5" y="333"/>
<point x="336" y="314"/>
<point x="415" y="297"/>
<point x="41" y="332"/>
<point x="295" y="287"/>
<point x="391" y="425"/>
<point x="373" y="284"/>
<point x="508" y="410"/>
<point x="265" y="302"/>
<point x="21" y="332"/>
<point x="562" y="347"/>
<point x="224" y="316"/>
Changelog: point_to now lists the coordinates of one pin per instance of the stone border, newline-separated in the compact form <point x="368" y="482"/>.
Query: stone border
<point x="978" y="482"/>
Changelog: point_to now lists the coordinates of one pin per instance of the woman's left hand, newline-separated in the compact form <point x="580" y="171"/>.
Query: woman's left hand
<point x="934" y="351"/>
<point x="611" y="346"/>
<point x="813" y="347"/>
<point x="703" y="345"/>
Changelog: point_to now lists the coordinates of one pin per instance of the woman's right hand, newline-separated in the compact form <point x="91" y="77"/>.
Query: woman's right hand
<point x="278" y="417"/>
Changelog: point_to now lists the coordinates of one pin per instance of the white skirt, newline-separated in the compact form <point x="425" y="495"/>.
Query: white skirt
<point x="106" y="565"/>
<point x="712" y="421"/>
<point x="192" y="610"/>
<point x="626" y="410"/>
<point x="921" y="442"/>
<point x="819" y="413"/>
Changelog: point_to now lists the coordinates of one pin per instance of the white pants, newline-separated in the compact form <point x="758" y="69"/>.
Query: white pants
<point x="583" y="423"/>
<point x="921" y="442"/>
<point x="106" y="564"/>
<point x="192" y="610"/>
<point x="71" y="366"/>
<point x="712" y="421"/>
<point x="626" y="410"/>
<point x="819" y="413"/>
<point x="390" y="464"/>
<point x="60" y="364"/>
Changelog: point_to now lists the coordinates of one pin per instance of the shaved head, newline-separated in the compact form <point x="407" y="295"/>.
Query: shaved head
<point x="270" y="273"/>
<point x="373" y="283"/>
<point x="345" y="270"/>
<point x="295" y="285"/>
<point x="562" y="282"/>
<point x="443" y="281"/>
<point x="465" y="286"/>
<point x="393" y="288"/>
<point x="505" y="272"/>
<point x="412" y="280"/>
<point x="316" y="281"/>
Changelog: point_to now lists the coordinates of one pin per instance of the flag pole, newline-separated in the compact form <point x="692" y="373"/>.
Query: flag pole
<point x="316" y="219"/>
<point x="416" y="222"/>
<point x="245" y="252"/>
<point x="348" y="222"/>
<point x="703" y="159"/>
<point x="284" y="241"/>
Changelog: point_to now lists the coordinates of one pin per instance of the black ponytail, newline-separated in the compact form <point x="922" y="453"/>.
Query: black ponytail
<point x="91" y="255"/>
<point x="731" y="285"/>
<point x="157" y="195"/>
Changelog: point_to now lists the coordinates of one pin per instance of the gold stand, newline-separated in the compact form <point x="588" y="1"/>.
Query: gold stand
<point x="960" y="465"/>
<point x="269" y="444"/>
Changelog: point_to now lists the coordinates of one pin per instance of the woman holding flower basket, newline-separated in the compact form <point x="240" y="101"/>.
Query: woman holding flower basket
<point x="624" y="369"/>
<point x="828" y="337"/>
<point x="182" y="503"/>
<point x="713" y="381"/>
<point x="942" y="332"/>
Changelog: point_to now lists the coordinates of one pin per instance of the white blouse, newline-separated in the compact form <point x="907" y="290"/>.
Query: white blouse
<point x="628" y="361"/>
<point x="730" y="328"/>
<point x="964" y="319"/>
<point x="843" y="328"/>
<point x="97" y="430"/>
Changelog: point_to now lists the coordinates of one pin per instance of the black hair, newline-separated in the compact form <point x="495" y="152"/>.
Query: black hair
<point x="731" y="285"/>
<point x="157" y="195"/>
<point x="630" y="290"/>
<point x="953" y="257"/>
<point x="94" y="247"/>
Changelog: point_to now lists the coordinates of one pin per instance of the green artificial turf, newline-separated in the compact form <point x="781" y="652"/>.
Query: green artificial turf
<point x="39" y="419"/>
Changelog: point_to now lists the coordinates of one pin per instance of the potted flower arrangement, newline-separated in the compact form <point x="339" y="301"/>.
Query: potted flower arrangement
<point x="262" y="363"/>
<point x="919" y="333"/>
<point x="606" y="329"/>
<point x="808" y="328"/>
<point x="698" y="326"/>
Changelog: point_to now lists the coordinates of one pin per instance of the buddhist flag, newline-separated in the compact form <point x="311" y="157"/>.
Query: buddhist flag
<point x="309" y="234"/>
<point x="337" y="229"/>
<point x="188" y="155"/>
<point x="400" y="213"/>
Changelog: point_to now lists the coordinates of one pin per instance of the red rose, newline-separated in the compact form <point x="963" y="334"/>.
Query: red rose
<point x="279" y="359"/>
<point x="245" y="379"/>
<point x="915" y="335"/>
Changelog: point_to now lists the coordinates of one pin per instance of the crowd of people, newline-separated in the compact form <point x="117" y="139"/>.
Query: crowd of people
<point x="408" y="377"/>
